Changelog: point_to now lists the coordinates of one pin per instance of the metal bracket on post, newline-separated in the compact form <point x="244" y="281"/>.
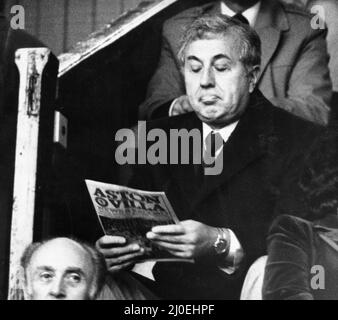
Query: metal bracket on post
<point x="60" y="129"/>
<point x="31" y="63"/>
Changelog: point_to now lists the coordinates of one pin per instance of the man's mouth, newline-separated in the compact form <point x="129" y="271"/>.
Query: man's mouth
<point x="209" y="99"/>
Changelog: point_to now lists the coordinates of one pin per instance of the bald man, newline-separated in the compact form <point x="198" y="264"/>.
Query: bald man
<point x="62" y="269"/>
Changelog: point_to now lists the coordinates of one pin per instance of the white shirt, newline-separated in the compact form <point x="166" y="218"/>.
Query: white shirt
<point x="250" y="14"/>
<point x="224" y="132"/>
<point x="236" y="253"/>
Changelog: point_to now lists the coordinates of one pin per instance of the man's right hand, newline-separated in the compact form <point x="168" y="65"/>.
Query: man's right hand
<point x="180" y="105"/>
<point x="118" y="254"/>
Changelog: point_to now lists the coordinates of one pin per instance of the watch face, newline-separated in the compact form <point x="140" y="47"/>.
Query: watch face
<point x="220" y="245"/>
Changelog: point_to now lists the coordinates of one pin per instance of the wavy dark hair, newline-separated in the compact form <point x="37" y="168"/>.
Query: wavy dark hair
<point x="319" y="179"/>
<point x="247" y="41"/>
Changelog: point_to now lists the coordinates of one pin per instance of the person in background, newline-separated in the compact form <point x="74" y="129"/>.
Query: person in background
<point x="327" y="13"/>
<point x="294" y="73"/>
<point x="62" y="269"/>
<point x="303" y="255"/>
<point x="68" y="269"/>
<point x="330" y="10"/>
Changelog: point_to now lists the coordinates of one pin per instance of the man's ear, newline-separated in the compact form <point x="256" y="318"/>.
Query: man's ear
<point x="182" y="70"/>
<point x="93" y="291"/>
<point x="253" y="76"/>
<point x="24" y="285"/>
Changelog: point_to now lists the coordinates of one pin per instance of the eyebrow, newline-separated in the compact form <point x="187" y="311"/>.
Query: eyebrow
<point x="194" y="58"/>
<point x="68" y="270"/>
<point x="45" y="268"/>
<point x="221" y="56"/>
<point x="217" y="57"/>
<point x="76" y="270"/>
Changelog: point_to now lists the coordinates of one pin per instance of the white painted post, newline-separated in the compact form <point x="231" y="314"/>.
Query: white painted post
<point x="31" y="63"/>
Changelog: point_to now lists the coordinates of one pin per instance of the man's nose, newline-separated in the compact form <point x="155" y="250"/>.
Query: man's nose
<point x="57" y="289"/>
<point x="207" y="78"/>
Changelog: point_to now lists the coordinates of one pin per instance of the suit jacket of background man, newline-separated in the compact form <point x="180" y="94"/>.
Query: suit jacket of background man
<point x="295" y="246"/>
<point x="260" y="160"/>
<point x="294" y="69"/>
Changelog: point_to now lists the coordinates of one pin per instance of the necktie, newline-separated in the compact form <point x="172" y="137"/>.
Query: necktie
<point x="239" y="17"/>
<point x="213" y="142"/>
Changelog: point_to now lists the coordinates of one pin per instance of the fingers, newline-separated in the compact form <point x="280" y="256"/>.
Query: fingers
<point x="186" y="106"/>
<point x="108" y="241"/>
<point x="172" y="247"/>
<point x="182" y="105"/>
<point x="124" y="261"/>
<point x="171" y="229"/>
<point x="127" y="258"/>
<point x="190" y="224"/>
<point x="166" y="238"/>
<point x="117" y="251"/>
<point x="177" y="108"/>
<point x="117" y="268"/>
<point x="176" y="111"/>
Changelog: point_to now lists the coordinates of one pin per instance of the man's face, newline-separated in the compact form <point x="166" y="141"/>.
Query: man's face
<point x="217" y="83"/>
<point x="59" y="270"/>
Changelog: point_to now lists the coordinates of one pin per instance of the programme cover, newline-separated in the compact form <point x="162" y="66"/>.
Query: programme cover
<point x="131" y="213"/>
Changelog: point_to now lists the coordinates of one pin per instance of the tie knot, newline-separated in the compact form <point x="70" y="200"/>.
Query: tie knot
<point x="239" y="17"/>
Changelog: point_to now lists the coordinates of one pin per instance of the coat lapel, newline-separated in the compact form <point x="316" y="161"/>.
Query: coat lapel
<point x="248" y="143"/>
<point x="270" y="24"/>
<point x="184" y="182"/>
<point x="327" y="229"/>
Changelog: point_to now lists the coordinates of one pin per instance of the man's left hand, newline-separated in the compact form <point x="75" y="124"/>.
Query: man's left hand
<point x="188" y="239"/>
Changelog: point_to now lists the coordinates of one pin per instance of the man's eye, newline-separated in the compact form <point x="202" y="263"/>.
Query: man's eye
<point x="222" y="67"/>
<point x="74" y="278"/>
<point x="195" y="68"/>
<point x="46" y="276"/>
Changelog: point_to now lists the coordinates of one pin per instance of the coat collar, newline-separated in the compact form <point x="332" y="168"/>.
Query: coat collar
<point x="271" y="22"/>
<point x="327" y="229"/>
<point x="248" y="142"/>
<point x="271" y="14"/>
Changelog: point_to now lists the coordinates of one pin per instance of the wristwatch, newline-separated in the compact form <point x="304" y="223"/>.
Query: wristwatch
<point x="222" y="243"/>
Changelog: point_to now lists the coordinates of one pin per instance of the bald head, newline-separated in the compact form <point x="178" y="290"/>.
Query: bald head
<point x="62" y="269"/>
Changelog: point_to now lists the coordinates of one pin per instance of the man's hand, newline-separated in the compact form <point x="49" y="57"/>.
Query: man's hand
<point x="181" y="105"/>
<point x="189" y="239"/>
<point x="118" y="254"/>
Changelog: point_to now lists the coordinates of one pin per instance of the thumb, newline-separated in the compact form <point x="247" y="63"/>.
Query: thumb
<point x="186" y="106"/>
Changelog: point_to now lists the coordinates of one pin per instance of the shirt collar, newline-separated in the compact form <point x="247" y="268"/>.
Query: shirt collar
<point x="224" y="132"/>
<point x="250" y="13"/>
